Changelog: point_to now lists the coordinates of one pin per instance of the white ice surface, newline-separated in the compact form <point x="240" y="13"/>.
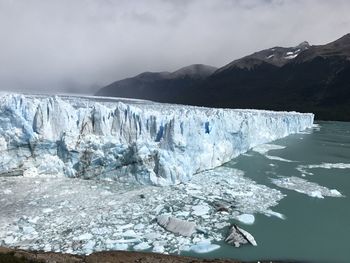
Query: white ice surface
<point x="152" y="143"/>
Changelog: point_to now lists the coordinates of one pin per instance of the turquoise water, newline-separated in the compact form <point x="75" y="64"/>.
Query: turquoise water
<point x="315" y="230"/>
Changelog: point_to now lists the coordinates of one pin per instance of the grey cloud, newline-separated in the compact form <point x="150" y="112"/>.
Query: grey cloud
<point x="77" y="46"/>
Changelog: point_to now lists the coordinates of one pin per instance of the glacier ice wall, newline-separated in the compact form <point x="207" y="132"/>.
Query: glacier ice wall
<point x="151" y="143"/>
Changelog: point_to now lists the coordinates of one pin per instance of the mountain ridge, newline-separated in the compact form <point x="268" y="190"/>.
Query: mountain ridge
<point x="158" y="85"/>
<point x="305" y="78"/>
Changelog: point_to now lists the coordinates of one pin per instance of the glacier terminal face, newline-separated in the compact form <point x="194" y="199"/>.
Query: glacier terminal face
<point x="129" y="140"/>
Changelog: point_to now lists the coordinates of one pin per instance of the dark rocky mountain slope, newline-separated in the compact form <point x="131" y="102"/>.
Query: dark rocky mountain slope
<point x="303" y="78"/>
<point x="159" y="86"/>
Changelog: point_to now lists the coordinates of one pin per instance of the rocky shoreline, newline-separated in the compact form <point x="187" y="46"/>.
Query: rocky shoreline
<point x="8" y="255"/>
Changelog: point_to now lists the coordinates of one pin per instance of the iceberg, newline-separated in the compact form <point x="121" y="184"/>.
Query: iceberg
<point x="247" y="219"/>
<point x="129" y="140"/>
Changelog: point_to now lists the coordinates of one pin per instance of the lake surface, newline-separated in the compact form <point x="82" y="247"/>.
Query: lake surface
<point x="315" y="229"/>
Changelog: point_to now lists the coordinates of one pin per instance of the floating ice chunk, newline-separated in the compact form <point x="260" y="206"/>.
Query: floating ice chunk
<point x="139" y="226"/>
<point x="276" y="158"/>
<point x="123" y="241"/>
<point x="100" y="230"/>
<point x="193" y="192"/>
<point x="129" y="233"/>
<point x="10" y="240"/>
<point x="221" y="225"/>
<point x="193" y="186"/>
<point x="158" y="249"/>
<point x="47" y="248"/>
<point x="317" y="194"/>
<point x="85" y="236"/>
<point x="121" y="246"/>
<point x="152" y="236"/>
<point x="158" y="209"/>
<point x="200" y="210"/>
<point x="276" y="214"/>
<point x="89" y="246"/>
<point x="265" y="148"/>
<point x="303" y="186"/>
<point x="7" y="192"/>
<point x="303" y="168"/>
<point x="335" y="192"/>
<point x="28" y="229"/>
<point x="306" y="132"/>
<point x="204" y="247"/>
<point x="183" y="213"/>
<point x="142" y="246"/>
<point x="248" y="236"/>
<point x="238" y="236"/>
<point x="185" y="248"/>
<point x="117" y="246"/>
<point x="125" y="226"/>
<point x="112" y="203"/>
<point x="47" y="210"/>
<point x="247" y="219"/>
<point x="83" y="214"/>
<point x="33" y="220"/>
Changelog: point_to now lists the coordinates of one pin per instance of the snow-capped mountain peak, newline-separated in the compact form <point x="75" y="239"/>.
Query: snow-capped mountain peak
<point x="277" y="56"/>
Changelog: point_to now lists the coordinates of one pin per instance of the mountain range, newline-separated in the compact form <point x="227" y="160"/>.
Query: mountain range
<point x="305" y="78"/>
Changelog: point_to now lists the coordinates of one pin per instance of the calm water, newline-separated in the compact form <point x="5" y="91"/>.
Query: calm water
<point x="315" y="230"/>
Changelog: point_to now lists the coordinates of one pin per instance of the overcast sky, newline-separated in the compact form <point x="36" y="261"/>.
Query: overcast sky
<point x="78" y="45"/>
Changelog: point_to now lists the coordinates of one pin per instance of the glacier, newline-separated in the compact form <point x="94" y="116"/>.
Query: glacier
<point x="129" y="140"/>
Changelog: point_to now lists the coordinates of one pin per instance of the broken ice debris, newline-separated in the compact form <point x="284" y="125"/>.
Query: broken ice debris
<point x="221" y="207"/>
<point x="85" y="236"/>
<point x="303" y="168"/>
<point x="142" y="246"/>
<point x="305" y="187"/>
<point x="47" y="210"/>
<point x="200" y="210"/>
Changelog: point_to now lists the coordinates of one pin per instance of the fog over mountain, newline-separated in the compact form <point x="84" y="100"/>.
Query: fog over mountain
<point x="80" y="46"/>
